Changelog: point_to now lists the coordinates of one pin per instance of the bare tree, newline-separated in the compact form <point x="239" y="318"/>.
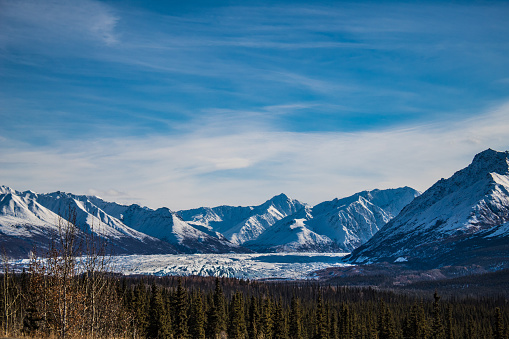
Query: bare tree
<point x="11" y="299"/>
<point x="72" y="288"/>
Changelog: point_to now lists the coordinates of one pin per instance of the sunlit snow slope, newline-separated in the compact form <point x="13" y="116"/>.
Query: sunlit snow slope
<point x="460" y="220"/>
<point x="337" y="225"/>
<point x="29" y="221"/>
<point x="241" y="224"/>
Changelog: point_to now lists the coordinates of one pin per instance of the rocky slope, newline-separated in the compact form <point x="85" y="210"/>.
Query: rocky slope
<point x="241" y="224"/>
<point x="460" y="220"/>
<point x="337" y="225"/>
<point x="29" y="220"/>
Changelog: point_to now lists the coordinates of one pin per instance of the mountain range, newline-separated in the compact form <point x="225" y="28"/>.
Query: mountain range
<point x="458" y="221"/>
<point x="339" y="225"/>
<point x="29" y="220"/>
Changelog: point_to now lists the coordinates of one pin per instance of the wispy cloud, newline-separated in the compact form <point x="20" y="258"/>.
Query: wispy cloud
<point x="56" y="22"/>
<point x="230" y="105"/>
<point x="247" y="167"/>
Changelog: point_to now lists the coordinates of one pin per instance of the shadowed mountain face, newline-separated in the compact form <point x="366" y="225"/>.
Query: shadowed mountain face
<point x="460" y="220"/>
<point x="29" y="220"/>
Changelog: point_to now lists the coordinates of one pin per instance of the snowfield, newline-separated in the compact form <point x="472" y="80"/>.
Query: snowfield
<point x="287" y="266"/>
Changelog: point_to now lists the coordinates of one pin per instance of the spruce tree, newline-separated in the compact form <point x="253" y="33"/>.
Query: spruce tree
<point x="437" y="329"/>
<point x="237" y="328"/>
<point x="295" y="321"/>
<point x="415" y="324"/>
<point x="180" y="327"/>
<point x="499" y="332"/>
<point x="254" y="318"/>
<point x="449" y="326"/>
<point x="140" y="308"/>
<point x="371" y="325"/>
<point x="280" y="329"/>
<point x="267" y="318"/>
<point x="320" y="319"/>
<point x="158" y="317"/>
<point x="334" y="329"/>
<point x="386" y="324"/>
<point x="216" y="316"/>
<point x="345" y="323"/>
<point x="197" y="317"/>
<point x="471" y="330"/>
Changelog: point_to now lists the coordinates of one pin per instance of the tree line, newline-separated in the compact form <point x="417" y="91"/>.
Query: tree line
<point x="198" y="307"/>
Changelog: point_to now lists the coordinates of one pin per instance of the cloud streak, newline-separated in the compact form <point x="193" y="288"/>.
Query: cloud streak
<point x="246" y="168"/>
<point x="57" y="22"/>
<point x="233" y="104"/>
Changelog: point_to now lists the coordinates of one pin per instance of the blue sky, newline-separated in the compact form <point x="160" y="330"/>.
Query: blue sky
<point x="208" y="103"/>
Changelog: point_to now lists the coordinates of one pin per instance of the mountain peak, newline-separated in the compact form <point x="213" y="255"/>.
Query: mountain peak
<point x="443" y="225"/>
<point x="491" y="161"/>
<point x="6" y="190"/>
<point x="280" y="197"/>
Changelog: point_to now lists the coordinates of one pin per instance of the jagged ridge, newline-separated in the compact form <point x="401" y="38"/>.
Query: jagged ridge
<point x="337" y="225"/>
<point x="457" y="220"/>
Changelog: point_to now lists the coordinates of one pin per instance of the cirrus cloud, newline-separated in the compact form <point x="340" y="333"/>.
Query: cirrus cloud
<point x="248" y="167"/>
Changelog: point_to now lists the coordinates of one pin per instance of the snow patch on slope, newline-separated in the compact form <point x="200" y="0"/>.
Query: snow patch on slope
<point x="472" y="206"/>
<point x="338" y="225"/>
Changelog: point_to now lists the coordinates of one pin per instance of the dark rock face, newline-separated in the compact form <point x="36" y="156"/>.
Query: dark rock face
<point x="458" y="220"/>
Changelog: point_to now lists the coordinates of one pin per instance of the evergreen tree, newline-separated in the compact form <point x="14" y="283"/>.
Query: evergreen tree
<point x="197" y="318"/>
<point x="437" y="329"/>
<point x="267" y="318"/>
<point x="386" y="324"/>
<point x="371" y="325"/>
<point x="360" y="328"/>
<point x="334" y="329"/>
<point x="254" y="317"/>
<point x="237" y="328"/>
<point x="216" y="316"/>
<point x="280" y="330"/>
<point x="180" y="308"/>
<point x="140" y="308"/>
<point x="449" y="326"/>
<point x="471" y="331"/>
<point x="345" y="323"/>
<point x="415" y="325"/>
<point x="321" y="321"/>
<point x="295" y="321"/>
<point x="158" y="318"/>
<point x="499" y="332"/>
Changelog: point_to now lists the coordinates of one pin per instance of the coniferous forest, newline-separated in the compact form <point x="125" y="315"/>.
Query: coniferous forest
<point x="199" y="307"/>
<point x="72" y="292"/>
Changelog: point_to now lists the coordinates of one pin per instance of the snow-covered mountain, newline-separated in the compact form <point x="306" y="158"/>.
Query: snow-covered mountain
<point x="337" y="225"/>
<point x="241" y="224"/>
<point x="169" y="226"/>
<point x="29" y="220"/>
<point x="24" y="223"/>
<point x="460" y="220"/>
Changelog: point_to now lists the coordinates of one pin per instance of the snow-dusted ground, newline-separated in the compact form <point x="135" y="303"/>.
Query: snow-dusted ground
<point x="245" y="266"/>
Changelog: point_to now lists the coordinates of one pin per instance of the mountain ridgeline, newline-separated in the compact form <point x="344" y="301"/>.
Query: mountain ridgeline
<point x="339" y="225"/>
<point x="462" y="220"/>
<point x="29" y="220"/>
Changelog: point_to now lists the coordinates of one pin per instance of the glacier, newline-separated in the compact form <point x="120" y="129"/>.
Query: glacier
<point x="266" y="266"/>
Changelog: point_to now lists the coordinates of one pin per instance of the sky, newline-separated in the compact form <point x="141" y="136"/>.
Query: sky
<point x="203" y="103"/>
